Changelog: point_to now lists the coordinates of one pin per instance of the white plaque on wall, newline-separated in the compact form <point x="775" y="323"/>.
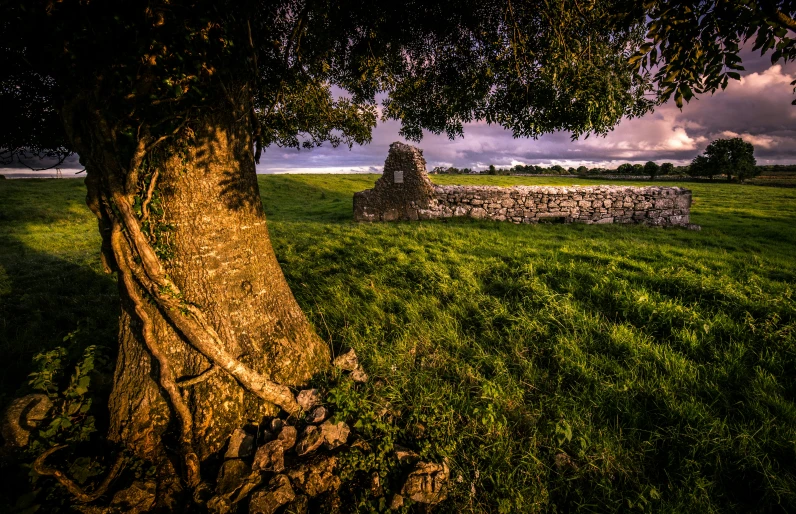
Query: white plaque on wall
<point x="398" y="176"/>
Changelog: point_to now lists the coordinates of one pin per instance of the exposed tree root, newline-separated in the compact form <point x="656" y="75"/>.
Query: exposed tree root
<point x="167" y="380"/>
<point x="150" y="190"/>
<point x="198" y="379"/>
<point x="187" y="318"/>
<point x="79" y="494"/>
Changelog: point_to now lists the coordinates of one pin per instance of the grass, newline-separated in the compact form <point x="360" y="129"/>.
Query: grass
<point x="559" y="367"/>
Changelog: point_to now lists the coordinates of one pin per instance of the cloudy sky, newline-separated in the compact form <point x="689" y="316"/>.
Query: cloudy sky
<point x="758" y="109"/>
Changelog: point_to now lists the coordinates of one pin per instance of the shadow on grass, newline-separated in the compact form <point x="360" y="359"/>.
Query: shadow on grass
<point x="43" y="301"/>
<point x="320" y="199"/>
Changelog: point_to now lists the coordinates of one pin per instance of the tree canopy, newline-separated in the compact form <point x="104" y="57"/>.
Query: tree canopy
<point x="651" y="169"/>
<point x="732" y="157"/>
<point x="315" y="70"/>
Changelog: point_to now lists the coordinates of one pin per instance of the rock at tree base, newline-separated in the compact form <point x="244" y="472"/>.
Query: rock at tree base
<point x="397" y="502"/>
<point x="316" y="478"/>
<point x="308" y="398"/>
<point x="427" y="483"/>
<point x="334" y="435"/>
<point x="241" y="444"/>
<point x="311" y="440"/>
<point x="269" y="501"/>
<point x="139" y="497"/>
<point x="270" y="457"/>
<point x="317" y="415"/>
<point x="287" y="436"/>
<point x="358" y="375"/>
<point x="276" y="425"/>
<point x="232" y="473"/>
<point x="301" y="505"/>
<point x="23" y="416"/>
<point x="347" y="361"/>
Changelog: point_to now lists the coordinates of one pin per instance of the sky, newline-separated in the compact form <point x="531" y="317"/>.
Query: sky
<point x="758" y="109"/>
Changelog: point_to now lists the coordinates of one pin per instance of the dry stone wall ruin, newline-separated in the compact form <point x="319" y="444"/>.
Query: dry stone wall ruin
<point x="404" y="192"/>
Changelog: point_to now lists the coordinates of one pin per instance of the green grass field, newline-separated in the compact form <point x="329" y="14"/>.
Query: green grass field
<point x="559" y="367"/>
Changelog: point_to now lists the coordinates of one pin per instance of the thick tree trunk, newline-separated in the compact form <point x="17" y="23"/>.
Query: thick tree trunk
<point x="206" y="224"/>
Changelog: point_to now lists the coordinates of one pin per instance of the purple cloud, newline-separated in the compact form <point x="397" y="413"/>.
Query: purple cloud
<point x="758" y="109"/>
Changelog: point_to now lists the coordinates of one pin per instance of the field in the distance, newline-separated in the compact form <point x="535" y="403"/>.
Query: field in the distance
<point x="598" y="368"/>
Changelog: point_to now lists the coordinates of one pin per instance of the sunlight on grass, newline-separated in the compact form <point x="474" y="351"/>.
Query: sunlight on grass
<point x="597" y="368"/>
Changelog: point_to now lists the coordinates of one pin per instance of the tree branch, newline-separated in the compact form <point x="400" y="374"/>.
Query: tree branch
<point x="785" y="20"/>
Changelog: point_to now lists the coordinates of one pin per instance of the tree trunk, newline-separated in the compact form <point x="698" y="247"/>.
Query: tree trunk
<point x="200" y="210"/>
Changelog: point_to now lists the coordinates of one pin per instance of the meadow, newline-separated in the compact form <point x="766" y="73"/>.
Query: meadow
<point x="558" y="367"/>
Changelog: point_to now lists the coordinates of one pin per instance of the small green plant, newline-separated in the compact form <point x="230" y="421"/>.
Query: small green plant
<point x="71" y="420"/>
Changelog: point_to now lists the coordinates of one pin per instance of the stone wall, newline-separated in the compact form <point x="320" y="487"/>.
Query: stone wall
<point x="404" y="192"/>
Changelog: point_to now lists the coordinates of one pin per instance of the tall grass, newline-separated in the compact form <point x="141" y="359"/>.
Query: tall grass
<point x="558" y="367"/>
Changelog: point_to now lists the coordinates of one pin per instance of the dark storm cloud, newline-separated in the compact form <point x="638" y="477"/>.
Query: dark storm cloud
<point x="758" y="108"/>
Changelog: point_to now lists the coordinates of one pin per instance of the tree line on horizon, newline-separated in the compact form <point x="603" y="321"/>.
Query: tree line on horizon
<point x="733" y="158"/>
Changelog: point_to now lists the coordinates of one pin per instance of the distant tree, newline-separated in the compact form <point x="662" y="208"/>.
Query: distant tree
<point x="625" y="169"/>
<point x="737" y="155"/>
<point x="651" y="169"/>
<point x="582" y="170"/>
<point x="557" y="169"/>
<point x="492" y="170"/>
<point x="638" y="169"/>
<point x="733" y="157"/>
<point x="571" y="170"/>
<point x="667" y="168"/>
<point x="701" y="166"/>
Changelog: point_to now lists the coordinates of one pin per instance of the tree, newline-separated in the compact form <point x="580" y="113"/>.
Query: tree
<point x="732" y="157"/>
<point x="582" y="170"/>
<point x="738" y="156"/>
<point x="701" y="166"/>
<point x="171" y="104"/>
<point x="625" y="169"/>
<point x="667" y="168"/>
<point x="651" y="169"/>
<point x="492" y="170"/>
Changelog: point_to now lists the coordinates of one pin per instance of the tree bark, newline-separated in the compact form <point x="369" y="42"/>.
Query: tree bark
<point x="212" y="309"/>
